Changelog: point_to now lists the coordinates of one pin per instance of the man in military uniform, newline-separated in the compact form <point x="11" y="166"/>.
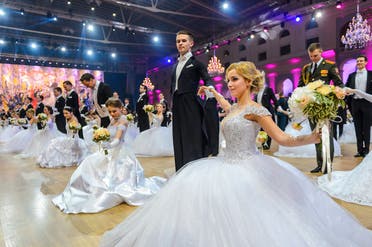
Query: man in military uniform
<point x="325" y="70"/>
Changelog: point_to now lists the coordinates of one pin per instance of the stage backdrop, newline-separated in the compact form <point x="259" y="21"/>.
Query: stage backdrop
<point x="28" y="80"/>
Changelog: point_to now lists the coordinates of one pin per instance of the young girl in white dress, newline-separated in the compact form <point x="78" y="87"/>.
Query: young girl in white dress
<point x="65" y="150"/>
<point x="352" y="186"/>
<point x="22" y="139"/>
<point x="104" y="181"/>
<point x="241" y="198"/>
<point x="40" y="141"/>
<point x="156" y="141"/>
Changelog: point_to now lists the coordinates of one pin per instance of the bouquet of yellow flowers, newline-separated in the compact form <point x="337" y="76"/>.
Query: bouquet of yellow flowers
<point x="101" y="135"/>
<point x="42" y="117"/>
<point x="74" y="127"/>
<point x="261" y="137"/>
<point x="148" y="108"/>
<point x="22" y="121"/>
<point x="130" y="117"/>
<point x="317" y="101"/>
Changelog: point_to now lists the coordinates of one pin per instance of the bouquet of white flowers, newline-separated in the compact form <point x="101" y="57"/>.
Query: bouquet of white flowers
<point x="100" y="135"/>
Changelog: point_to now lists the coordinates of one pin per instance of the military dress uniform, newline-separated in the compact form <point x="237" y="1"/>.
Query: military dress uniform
<point x="326" y="71"/>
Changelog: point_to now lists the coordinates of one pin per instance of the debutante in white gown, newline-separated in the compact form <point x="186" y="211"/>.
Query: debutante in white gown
<point x="156" y="141"/>
<point x="241" y="198"/>
<point x="9" y="131"/>
<point x="355" y="185"/>
<point x="20" y="140"/>
<point x="306" y="151"/>
<point x="40" y="141"/>
<point x="62" y="151"/>
<point x="104" y="181"/>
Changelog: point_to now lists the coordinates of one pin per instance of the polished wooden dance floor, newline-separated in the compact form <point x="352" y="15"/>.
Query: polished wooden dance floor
<point x="28" y="218"/>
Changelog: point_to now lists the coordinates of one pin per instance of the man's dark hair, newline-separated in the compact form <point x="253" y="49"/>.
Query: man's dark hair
<point x="67" y="83"/>
<point x="314" y="46"/>
<point x="364" y="56"/>
<point x="86" y="77"/>
<point x="58" y="89"/>
<point x="186" y="33"/>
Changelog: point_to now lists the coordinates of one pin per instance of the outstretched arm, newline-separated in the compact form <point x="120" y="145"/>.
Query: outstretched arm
<point x="220" y="99"/>
<point x="281" y="137"/>
<point x="360" y="93"/>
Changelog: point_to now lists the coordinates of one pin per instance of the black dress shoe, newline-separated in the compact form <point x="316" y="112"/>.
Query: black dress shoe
<point x="316" y="169"/>
<point x="359" y="155"/>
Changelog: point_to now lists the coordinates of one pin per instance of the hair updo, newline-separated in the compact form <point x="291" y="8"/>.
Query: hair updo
<point x="250" y="73"/>
<point x="113" y="102"/>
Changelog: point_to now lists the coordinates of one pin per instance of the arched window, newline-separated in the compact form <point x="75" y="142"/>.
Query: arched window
<point x="287" y="87"/>
<point x="348" y="68"/>
<point x="284" y="33"/>
<point x="242" y="47"/>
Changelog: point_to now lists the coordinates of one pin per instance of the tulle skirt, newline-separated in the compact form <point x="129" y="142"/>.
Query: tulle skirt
<point x="259" y="201"/>
<point x="306" y="151"/>
<point x="63" y="151"/>
<point x="39" y="142"/>
<point x="154" y="142"/>
<point x="348" y="135"/>
<point x="351" y="186"/>
<point x="19" y="141"/>
<point x="9" y="132"/>
<point x="104" y="181"/>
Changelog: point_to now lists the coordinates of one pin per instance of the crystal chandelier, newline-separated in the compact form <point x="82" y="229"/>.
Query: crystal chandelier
<point x="214" y="66"/>
<point x="358" y="34"/>
<point x="147" y="82"/>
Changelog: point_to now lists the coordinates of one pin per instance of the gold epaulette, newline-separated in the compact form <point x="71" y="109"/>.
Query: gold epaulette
<point x="330" y="62"/>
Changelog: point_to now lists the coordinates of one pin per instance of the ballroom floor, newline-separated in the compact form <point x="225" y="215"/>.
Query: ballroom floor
<point x="28" y="218"/>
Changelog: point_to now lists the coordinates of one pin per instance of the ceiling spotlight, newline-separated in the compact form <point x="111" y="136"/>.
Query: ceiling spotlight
<point x="155" y="39"/>
<point x="84" y="23"/>
<point x="113" y="28"/>
<point x="22" y="11"/>
<point x="68" y="2"/>
<point x="33" y="45"/>
<point x="265" y="29"/>
<point x="225" y="5"/>
<point x="318" y="14"/>
<point x="252" y="36"/>
<point x="298" y="18"/>
<point x="2" y="12"/>
<point x="55" y="18"/>
<point x="92" y="9"/>
<point x="63" y="49"/>
<point x="113" y="55"/>
<point x="2" y="42"/>
<point x="90" y="27"/>
<point x="90" y="52"/>
<point x="114" y="14"/>
<point x="339" y="4"/>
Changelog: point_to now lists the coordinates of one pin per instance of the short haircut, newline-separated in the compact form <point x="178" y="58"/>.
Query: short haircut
<point x="186" y="33"/>
<point x="67" y="83"/>
<point x="364" y="56"/>
<point x="314" y="46"/>
<point x="86" y="77"/>
<point x="58" y="89"/>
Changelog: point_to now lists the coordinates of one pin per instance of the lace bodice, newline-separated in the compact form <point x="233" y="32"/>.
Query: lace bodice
<point x="156" y="120"/>
<point x="239" y="133"/>
<point x="114" y="128"/>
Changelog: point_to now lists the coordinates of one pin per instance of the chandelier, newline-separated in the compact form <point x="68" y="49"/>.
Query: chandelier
<point x="147" y="82"/>
<point x="214" y="66"/>
<point x="358" y="34"/>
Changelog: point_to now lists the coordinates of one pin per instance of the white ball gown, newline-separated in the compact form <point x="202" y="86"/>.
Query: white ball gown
<point x="9" y="131"/>
<point x="348" y="135"/>
<point x="240" y="198"/>
<point x="156" y="141"/>
<point x="40" y="141"/>
<point x="104" y="181"/>
<point x="18" y="142"/>
<point x="62" y="151"/>
<point x="306" y="151"/>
